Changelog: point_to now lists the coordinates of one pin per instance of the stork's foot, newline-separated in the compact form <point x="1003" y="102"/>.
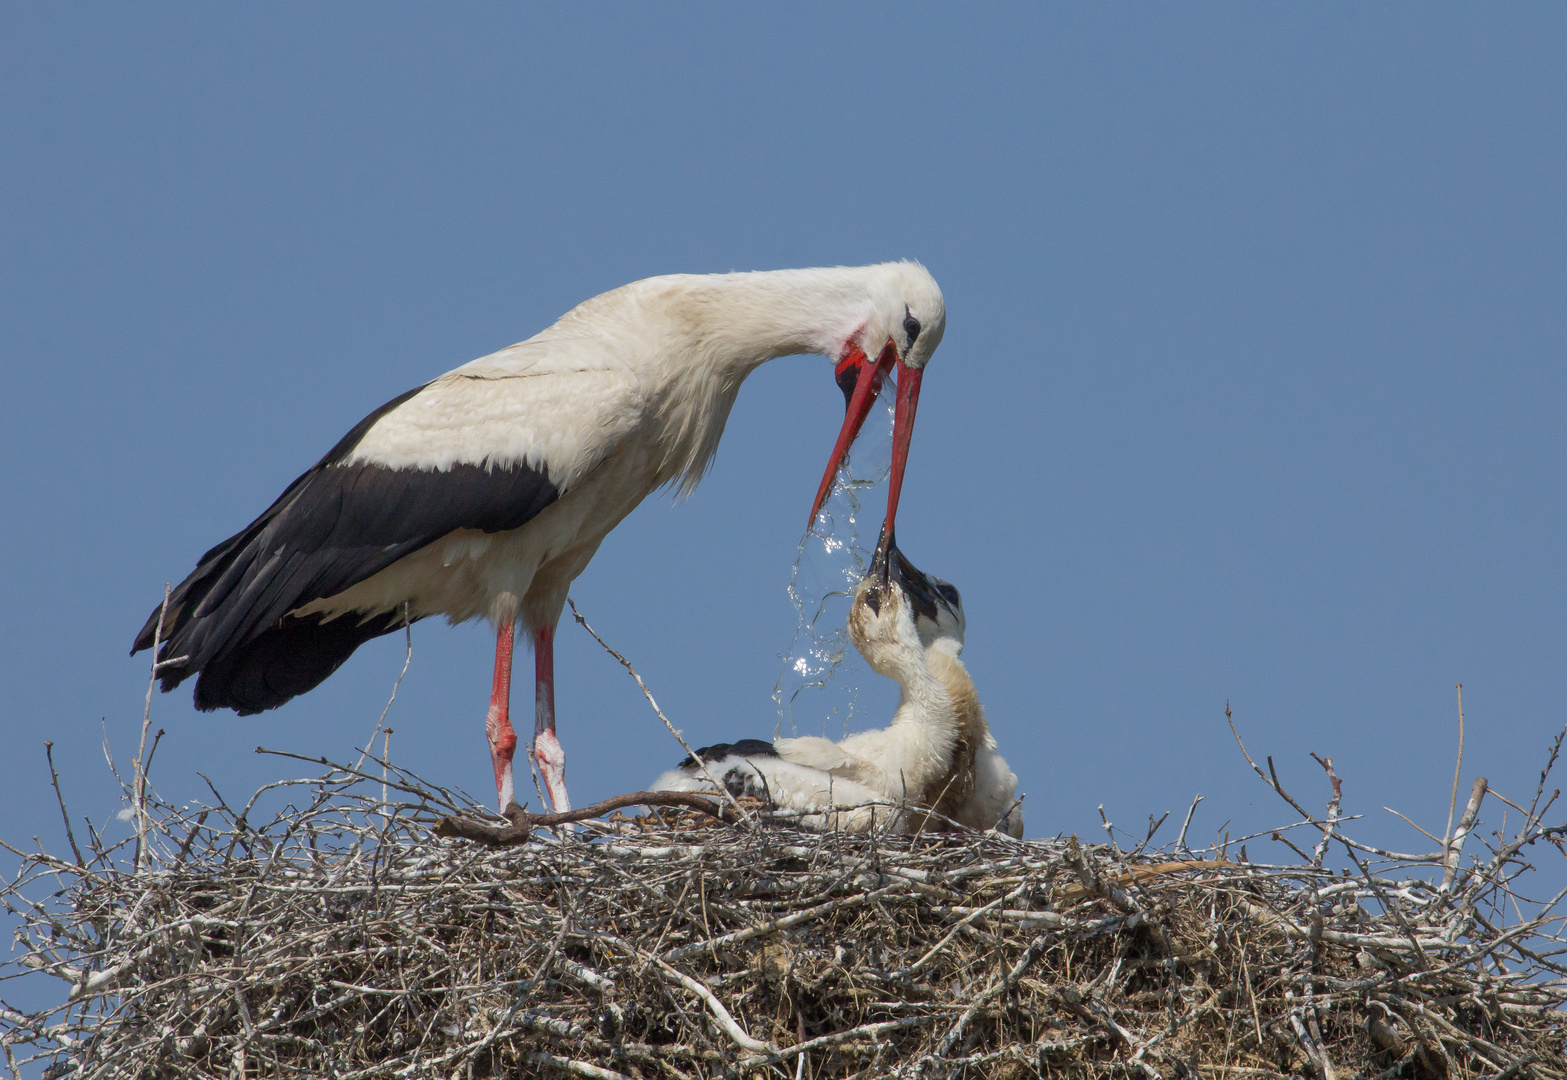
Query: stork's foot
<point x="505" y="789"/>
<point x="550" y="758"/>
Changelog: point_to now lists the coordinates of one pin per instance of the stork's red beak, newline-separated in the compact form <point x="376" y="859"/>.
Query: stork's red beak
<point x="866" y="386"/>
<point x="902" y="429"/>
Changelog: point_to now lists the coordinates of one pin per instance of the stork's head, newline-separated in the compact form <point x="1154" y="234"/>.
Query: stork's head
<point x="933" y="605"/>
<point x="901" y="324"/>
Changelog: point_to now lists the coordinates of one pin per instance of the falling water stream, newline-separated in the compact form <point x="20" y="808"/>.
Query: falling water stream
<point x="818" y="687"/>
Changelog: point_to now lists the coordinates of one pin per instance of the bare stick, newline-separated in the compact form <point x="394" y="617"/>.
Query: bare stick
<point x="1550" y="763"/>
<point x="54" y="778"/>
<point x="139" y="774"/>
<point x="1271" y="777"/>
<point x="386" y="757"/>
<point x="1455" y="846"/>
<point x="865" y="1031"/>
<point x="1411" y="823"/>
<point x="1287" y="842"/>
<point x="573" y="1066"/>
<point x="1333" y="810"/>
<point x="727" y="794"/>
<point x="1108" y="830"/>
<point x="998" y="986"/>
<point x="724" y="1017"/>
<point x="1180" y="841"/>
<point x="408" y="655"/>
<point x="157" y="737"/>
<point x="108" y="755"/>
<point x="1447" y="833"/>
<point x="1492" y="791"/>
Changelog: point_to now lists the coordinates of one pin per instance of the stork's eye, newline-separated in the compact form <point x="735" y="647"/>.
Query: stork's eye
<point x="911" y="327"/>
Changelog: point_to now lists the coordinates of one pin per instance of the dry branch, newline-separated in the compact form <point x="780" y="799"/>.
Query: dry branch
<point x="522" y="823"/>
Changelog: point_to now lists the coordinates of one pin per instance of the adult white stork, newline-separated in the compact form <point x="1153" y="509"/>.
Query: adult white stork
<point x="484" y="493"/>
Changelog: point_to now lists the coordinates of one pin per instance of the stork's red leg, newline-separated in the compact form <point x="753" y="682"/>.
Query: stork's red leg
<point x="547" y="750"/>
<point x="502" y="735"/>
<point x="503" y="738"/>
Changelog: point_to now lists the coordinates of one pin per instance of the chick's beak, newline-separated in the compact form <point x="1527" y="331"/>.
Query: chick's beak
<point x="891" y="568"/>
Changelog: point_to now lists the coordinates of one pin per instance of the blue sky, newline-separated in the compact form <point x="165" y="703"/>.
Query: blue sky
<point x="1251" y="391"/>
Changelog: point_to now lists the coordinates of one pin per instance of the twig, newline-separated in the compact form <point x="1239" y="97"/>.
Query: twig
<point x="1287" y="842"/>
<point x="1550" y="763"/>
<point x="1271" y="777"/>
<point x="139" y="773"/>
<point x="1002" y="984"/>
<point x="1455" y="846"/>
<point x="712" y="944"/>
<point x="571" y="1065"/>
<point x="1109" y="830"/>
<point x="1153" y="827"/>
<point x="959" y="928"/>
<point x="864" y="1031"/>
<point x="1180" y="841"/>
<point x="1333" y="809"/>
<point x="722" y="790"/>
<point x="1411" y="823"/>
<point x="65" y="816"/>
<point x="408" y="655"/>
<point x="1458" y="764"/>
<point x="1312" y="1046"/>
<point x="157" y="738"/>
<point x="725" y="1019"/>
<point x="386" y="757"/>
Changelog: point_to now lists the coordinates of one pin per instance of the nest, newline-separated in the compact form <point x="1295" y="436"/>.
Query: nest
<point x="339" y="937"/>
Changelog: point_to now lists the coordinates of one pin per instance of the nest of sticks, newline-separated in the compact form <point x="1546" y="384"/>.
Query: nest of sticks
<point x="338" y="935"/>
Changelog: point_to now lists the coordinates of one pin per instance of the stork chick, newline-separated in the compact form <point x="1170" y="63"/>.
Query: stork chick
<point x="937" y="752"/>
<point x="904" y="760"/>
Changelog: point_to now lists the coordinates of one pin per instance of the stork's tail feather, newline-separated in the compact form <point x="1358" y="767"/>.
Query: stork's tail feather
<point x="208" y="569"/>
<point x="282" y="662"/>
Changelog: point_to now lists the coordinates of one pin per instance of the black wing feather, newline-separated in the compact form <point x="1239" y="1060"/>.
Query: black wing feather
<point x="333" y="527"/>
<point x="719" y="751"/>
<point x="287" y="660"/>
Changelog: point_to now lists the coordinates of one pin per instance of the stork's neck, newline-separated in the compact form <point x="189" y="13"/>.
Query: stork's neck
<point x="700" y="336"/>
<point x="959" y="685"/>
<point x="925" y="717"/>
<point x="737" y="321"/>
<point x="924" y="700"/>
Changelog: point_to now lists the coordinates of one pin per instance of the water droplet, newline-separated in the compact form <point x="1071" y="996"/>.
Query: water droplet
<point x="821" y="674"/>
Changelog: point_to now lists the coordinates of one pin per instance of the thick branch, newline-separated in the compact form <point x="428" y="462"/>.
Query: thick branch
<point x="523" y="823"/>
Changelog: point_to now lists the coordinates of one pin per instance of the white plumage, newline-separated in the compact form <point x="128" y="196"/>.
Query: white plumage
<point x="821" y="799"/>
<point x="484" y="493"/>
<point x="937" y="753"/>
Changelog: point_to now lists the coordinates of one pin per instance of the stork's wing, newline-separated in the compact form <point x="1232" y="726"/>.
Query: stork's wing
<point x="814" y="752"/>
<point x="411" y="472"/>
